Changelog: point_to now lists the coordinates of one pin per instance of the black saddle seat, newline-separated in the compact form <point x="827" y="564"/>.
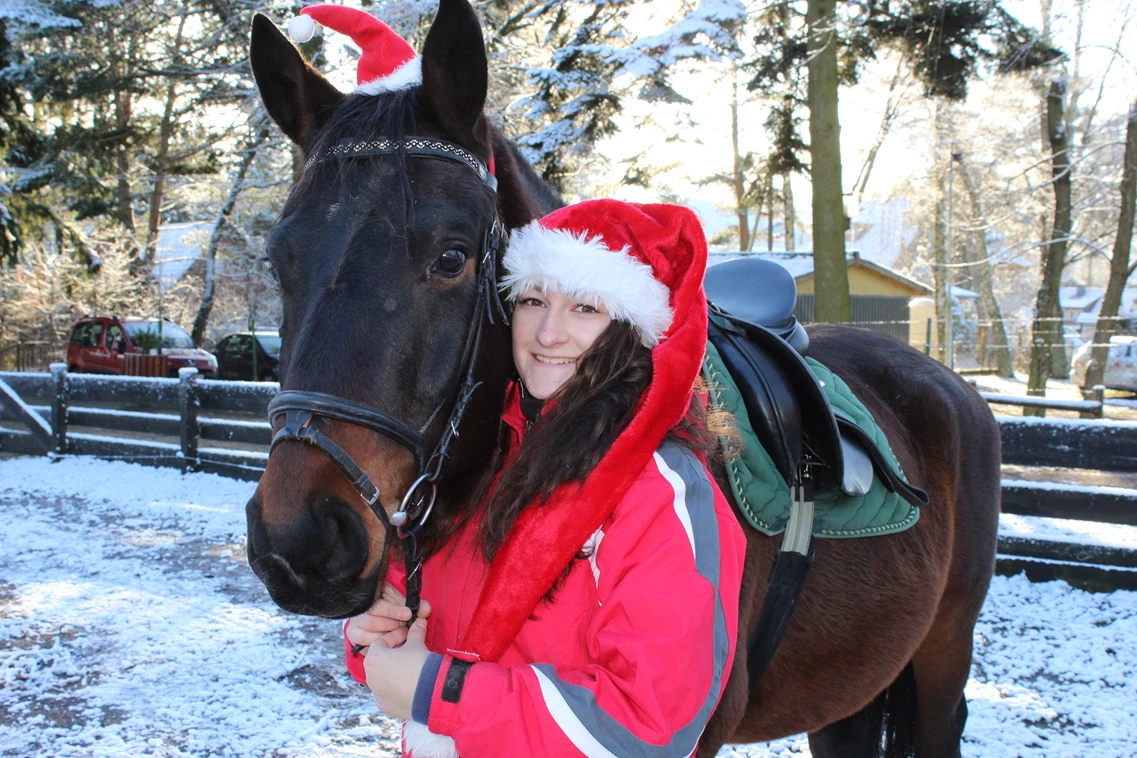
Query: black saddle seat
<point x="760" y="292"/>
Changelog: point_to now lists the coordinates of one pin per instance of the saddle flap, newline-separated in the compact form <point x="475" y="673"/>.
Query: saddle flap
<point x="889" y="476"/>
<point x="773" y="408"/>
<point x="817" y="423"/>
<point x="856" y="479"/>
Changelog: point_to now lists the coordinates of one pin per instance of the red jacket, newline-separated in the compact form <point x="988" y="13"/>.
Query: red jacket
<point x="629" y="658"/>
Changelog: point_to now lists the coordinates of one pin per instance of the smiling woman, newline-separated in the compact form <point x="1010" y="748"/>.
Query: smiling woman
<point x="550" y="332"/>
<point x="607" y="446"/>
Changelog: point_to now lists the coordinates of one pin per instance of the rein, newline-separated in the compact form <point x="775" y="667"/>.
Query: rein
<point x="300" y="407"/>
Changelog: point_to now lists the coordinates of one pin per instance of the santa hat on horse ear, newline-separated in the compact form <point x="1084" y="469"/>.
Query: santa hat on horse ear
<point x="388" y="63"/>
<point x="645" y="263"/>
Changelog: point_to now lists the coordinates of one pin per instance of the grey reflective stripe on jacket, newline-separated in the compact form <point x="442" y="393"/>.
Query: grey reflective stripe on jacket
<point x="575" y="709"/>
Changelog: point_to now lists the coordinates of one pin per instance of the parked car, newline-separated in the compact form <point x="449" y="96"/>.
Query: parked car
<point x="1120" y="366"/>
<point x="234" y="354"/>
<point x="98" y="344"/>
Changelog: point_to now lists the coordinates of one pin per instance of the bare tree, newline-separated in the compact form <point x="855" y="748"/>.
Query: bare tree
<point x="989" y="310"/>
<point x="201" y="321"/>
<point x="1046" y="330"/>
<point x="1119" y="268"/>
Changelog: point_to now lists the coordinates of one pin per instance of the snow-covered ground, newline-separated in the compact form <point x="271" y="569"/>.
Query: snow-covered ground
<point x="1120" y="406"/>
<point x="131" y="626"/>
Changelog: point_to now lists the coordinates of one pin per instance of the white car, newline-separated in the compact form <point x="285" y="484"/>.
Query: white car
<point x="1120" y="367"/>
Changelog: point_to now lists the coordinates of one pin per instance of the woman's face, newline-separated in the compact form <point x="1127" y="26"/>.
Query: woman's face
<point x="550" y="332"/>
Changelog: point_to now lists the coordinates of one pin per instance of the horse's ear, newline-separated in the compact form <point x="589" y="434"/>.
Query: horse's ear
<point x="454" y="69"/>
<point x="295" y="95"/>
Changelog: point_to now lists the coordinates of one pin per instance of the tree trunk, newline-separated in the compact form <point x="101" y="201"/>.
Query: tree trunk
<point x="210" y="290"/>
<point x="1119" y="270"/>
<point x="891" y="111"/>
<point x="1046" y="332"/>
<point x="791" y="216"/>
<point x="162" y="164"/>
<point x="830" y="271"/>
<point x="939" y="271"/>
<point x="940" y="232"/>
<point x="988" y="303"/>
<point x="770" y="198"/>
<point x="125" y="207"/>
<point x="739" y="186"/>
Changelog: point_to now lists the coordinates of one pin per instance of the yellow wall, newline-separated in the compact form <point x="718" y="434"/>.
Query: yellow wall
<point x="921" y="309"/>
<point x="865" y="282"/>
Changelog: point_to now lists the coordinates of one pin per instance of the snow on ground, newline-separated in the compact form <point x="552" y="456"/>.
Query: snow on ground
<point x="1120" y="405"/>
<point x="130" y="625"/>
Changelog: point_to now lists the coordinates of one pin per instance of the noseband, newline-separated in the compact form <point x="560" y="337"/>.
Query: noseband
<point x="300" y="408"/>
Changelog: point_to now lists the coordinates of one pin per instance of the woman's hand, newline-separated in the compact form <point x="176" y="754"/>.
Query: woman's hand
<point x="392" y="673"/>
<point x="385" y="622"/>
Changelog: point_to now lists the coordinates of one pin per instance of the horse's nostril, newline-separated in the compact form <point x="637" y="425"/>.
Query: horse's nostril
<point x="345" y="533"/>
<point x="257" y="536"/>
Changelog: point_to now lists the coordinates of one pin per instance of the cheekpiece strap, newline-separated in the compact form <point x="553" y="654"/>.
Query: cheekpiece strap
<point x="420" y="147"/>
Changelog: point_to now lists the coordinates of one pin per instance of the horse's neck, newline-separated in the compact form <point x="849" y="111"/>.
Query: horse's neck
<point x="524" y="196"/>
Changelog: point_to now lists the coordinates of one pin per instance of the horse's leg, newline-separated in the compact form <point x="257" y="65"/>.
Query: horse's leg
<point x="848" y="738"/>
<point x="886" y="723"/>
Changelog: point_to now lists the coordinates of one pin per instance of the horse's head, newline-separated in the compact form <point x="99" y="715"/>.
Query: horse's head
<point x="379" y="253"/>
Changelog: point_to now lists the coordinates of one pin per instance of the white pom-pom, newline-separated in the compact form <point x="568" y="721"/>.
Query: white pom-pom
<point x="301" y="28"/>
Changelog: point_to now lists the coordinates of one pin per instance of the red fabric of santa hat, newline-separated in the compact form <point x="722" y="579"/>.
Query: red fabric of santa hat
<point x="646" y="264"/>
<point x="387" y="62"/>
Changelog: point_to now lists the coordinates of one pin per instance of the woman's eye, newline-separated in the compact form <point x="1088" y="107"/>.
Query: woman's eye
<point x="530" y="301"/>
<point x="451" y="262"/>
<point x="587" y="308"/>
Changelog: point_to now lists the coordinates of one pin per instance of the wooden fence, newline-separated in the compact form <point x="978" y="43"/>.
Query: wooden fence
<point x="221" y="427"/>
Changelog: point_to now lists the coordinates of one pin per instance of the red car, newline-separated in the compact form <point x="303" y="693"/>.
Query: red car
<point x="98" y="343"/>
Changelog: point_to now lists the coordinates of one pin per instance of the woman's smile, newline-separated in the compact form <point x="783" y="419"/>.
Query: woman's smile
<point x="565" y="326"/>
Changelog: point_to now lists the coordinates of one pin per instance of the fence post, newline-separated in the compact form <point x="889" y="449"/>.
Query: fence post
<point x="1099" y="398"/>
<point x="188" y="401"/>
<point x="59" y="406"/>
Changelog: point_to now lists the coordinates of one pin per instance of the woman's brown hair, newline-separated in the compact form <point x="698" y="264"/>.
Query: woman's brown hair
<point x="577" y="427"/>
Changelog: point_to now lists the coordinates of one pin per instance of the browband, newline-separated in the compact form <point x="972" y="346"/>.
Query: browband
<point x="421" y="147"/>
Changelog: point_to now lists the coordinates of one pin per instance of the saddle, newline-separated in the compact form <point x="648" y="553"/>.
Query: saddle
<point x="763" y="346"/>
<point x="752" y="326"/>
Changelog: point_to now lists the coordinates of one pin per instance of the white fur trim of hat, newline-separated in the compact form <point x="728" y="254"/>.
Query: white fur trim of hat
<point x="578" y="265"/>
<point x="423" y="743"/>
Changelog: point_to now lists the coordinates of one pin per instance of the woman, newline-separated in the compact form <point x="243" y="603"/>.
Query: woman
<point x="590" y="606"/>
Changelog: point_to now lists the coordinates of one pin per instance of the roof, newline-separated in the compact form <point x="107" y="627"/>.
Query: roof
<point x="800" y="266"/>
<point x="1079" y="297"/>
<point x="178" y="246"/>
<point x="966" y="294"/>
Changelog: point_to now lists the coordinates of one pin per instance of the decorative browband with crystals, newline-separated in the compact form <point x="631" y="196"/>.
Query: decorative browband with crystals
<point x="416" y="146"/>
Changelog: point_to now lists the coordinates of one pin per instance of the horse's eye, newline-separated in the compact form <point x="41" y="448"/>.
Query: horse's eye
<point x="451" y="262"/>
<point x="266" y="264"/>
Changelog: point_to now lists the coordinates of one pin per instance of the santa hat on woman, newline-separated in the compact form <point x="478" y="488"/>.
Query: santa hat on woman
<point x="645" y="263"/>
<point x="387" y="62"/>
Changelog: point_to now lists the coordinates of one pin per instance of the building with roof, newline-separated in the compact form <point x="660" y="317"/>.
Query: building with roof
<point x="879" y="296"/>
<point x="1081" y="306"/>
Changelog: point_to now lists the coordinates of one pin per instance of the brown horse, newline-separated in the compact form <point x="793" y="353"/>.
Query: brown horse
<point x="380" y="258"/>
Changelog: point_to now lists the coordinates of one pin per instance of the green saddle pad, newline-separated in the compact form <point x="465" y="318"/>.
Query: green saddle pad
<point x="764" y="497"/>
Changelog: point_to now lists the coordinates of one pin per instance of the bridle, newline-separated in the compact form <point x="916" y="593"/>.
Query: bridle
<point x="300" y="407"/>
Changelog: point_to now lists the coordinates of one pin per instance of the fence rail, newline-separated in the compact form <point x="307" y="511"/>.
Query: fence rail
<point x="182" y="409"/>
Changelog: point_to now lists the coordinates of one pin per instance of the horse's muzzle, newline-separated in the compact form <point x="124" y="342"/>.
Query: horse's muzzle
<point x="314" y="566"/>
